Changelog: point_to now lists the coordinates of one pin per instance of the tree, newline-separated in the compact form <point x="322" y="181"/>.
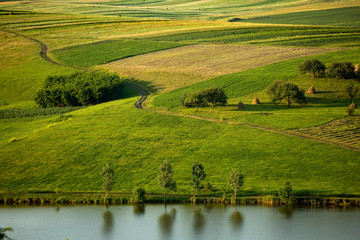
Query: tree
<point x="286" y="195"/>
<point x="279" y="91"/>
<point x="236" y="181"/>
<point x="193" y="99"/>
<point x="165" y="177"/>
<point x="198" y="175"/>
<point x="352" y="91"/>
<point x="108" y="177"/>
<point x="312" y="66"/>
<point x="215" y="95"/>
<point x="344" y="70"/>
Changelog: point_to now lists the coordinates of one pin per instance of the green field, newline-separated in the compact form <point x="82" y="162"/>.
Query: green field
<point x="65" y="148"/>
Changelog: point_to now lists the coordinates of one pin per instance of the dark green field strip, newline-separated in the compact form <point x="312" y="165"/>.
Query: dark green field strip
<point x="103" y="52"/>
<point x="348" y="16"/>
<point x="33" y="112"/>
<point x="238" y="35"/>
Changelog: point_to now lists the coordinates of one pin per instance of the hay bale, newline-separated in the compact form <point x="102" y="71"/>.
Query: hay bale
<point x="240" y="105"/>
<point x="255" y="101"/>
<point x="353" y="105"/>
<point x="356" y="68"/>
<point x="311" y="90"/>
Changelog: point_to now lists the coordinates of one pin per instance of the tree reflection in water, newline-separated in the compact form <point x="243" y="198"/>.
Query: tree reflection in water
<point x="287" y="210"/>
<point x="108" y="222"/>
<point x="166" y="222"/>
<point x="236" y="219"/>
<point x="199" y="221"/>
<point x="139" y="209"/>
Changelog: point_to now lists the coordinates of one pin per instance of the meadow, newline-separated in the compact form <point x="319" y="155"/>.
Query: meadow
<point x="49" y="150"/>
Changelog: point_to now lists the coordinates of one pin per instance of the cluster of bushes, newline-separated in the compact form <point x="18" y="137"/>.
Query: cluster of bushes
<point x="341" y="70"/>
<point x="213" y="96"/>
<point x="79" y="89"/>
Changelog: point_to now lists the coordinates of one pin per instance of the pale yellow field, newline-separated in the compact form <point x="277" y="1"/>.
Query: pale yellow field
<point x="183" y="66"/>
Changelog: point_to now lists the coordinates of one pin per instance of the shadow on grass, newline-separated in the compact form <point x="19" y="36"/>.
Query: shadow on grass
<point x="146" y="85"/>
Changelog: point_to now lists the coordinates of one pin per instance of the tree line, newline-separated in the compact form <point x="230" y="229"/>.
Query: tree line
<point x="341" y="70"/>
<point x="166" y="181"/>
<point x="79" y="89"/>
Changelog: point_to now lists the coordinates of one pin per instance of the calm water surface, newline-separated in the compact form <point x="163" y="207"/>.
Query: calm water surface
<point x="179" y="222"/>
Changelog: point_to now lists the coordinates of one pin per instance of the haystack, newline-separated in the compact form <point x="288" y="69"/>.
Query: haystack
<point x="240" y="105"/>
<point x="311" y="90"/>
<point x="356" y="68"/>
<point x="353" y="105"/>
<point x="256" y="101"/>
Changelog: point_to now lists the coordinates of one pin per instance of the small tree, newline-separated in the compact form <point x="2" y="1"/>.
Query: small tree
<point x="108" y="177"/>
<point x="198" y="175"/>
<point x="165" y="177"/>
<point x="139" y="195"/>
<point x="352" y="91"/>
<point x="215" y="95"/>
<point x="193" y="99"/>
<point x="236" y="181"/>
<point x="344" y="70"/>
<point x="279" y="91"/>
<point x="312" y="66"/>
<point x="286" y="194"/>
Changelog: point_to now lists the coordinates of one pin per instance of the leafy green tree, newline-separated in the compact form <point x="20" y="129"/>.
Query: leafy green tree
<point x="236" y="181"/>
<point x="108" y="178"/>
<point x="193" y="99"/>
<point x="165" y="177"/>
<point x="352" y="90"/>
<point x="312" y="66"/>
<point x="215" y="95"/>
<point x="198" y="175"/>
<point x="286" y="194"/>
<point x="343" y="70"/>
<point x="2" y="233"/>
<point x="289" y="92"/>
<point x="139" y="195"/>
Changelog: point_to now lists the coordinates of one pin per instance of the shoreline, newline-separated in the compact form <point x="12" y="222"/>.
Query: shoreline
<point x="46" y="199"/>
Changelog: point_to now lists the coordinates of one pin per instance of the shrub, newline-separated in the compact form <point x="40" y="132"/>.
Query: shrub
<point x="344" y="70"/>
<point x="139" y="195"/>
<point x="286" y="194"/>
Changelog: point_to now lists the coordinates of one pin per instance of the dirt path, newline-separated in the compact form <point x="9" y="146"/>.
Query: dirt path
<point x="144" y="95"/>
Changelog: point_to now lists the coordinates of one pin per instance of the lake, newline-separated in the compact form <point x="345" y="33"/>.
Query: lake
<point x="180" y="221"/>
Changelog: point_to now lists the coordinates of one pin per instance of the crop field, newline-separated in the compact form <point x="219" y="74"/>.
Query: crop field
<point x="346" y="131"/>
<point x="179" y="67"/>
<point x="335" y="17"/>
<point x="168" y="48"/>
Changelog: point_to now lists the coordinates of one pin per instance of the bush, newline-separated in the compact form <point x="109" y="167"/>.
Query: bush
<point x="343" y="70"/>
<point x="286" y="195"/>
<point x="79" y="89"/>
<point x="139" y="195"/>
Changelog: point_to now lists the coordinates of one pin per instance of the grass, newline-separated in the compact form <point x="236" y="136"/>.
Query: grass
<point x="67" y="151"/>
<point x="329" y="105"/>
<point x="103" y="52"/>
<point x="135" y="142"/>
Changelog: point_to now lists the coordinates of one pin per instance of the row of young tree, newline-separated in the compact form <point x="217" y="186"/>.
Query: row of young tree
<point x="167" y="183"/>
<point x="341" y="70"/>
<point x="79" y="89"/>
<point x="213" y="96"/>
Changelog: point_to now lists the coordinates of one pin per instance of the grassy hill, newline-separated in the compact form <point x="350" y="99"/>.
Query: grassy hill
<point x="66" y="148"/>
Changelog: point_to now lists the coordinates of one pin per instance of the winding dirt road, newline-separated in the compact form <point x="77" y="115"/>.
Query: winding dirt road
<point x="144" y="95"/>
